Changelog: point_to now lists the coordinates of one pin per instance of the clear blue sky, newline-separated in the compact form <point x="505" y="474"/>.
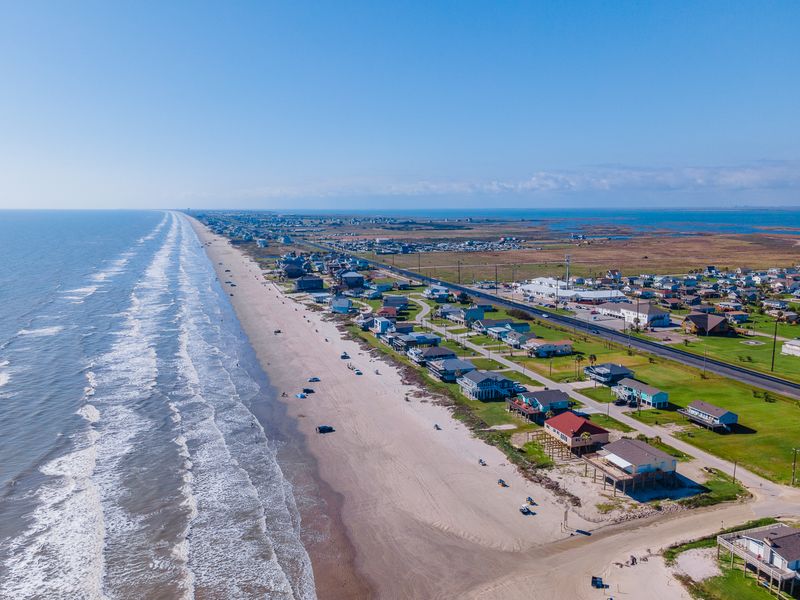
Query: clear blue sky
<point x="362" y="104"/>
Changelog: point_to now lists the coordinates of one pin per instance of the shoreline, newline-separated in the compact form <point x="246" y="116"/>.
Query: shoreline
<point x="322" y="531"/>
<point x="412" y="500"/>
<point x="421" y="518"/>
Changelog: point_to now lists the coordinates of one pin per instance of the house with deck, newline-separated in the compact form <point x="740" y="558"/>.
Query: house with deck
<point x="395" y="301"/>
<point x="633" y="391"/>
<point x="575" y="432"/>
<point x="628" y="463"/>
<point x="770" y="552"/>
<point x="341" y="306"/>
<point x="308" y="283"/>
<point x="608" y="373"/>
<point x="449" y="369"/>
<point x="536" y="405"/>
<point x="437" y="293"/>
<point x="422" y="355"/>
<point x="706" y="324"/>
<point x="708" y="415"/>
<point x="516" y="339"/>
<point x="540" y="348"/>
<point x="486" y="385"/>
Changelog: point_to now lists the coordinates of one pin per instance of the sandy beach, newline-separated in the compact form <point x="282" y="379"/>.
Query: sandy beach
<point x="420" y="517"/>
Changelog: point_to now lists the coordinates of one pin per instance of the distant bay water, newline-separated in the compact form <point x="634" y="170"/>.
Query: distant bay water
<point x="131" y="464"/>
<point x="744" y="220"/>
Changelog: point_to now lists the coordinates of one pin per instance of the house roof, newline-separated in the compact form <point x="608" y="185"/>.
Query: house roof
<point x="639" y="386"/>
<point x="437" y="351"/>
<point x="546" y="396"/>
<point x="785" y="541"/>
<point x="636" y="452"/>
<point x="453" y="364"/>
<point x="537" y="342"/>
<point x="573" y="425"/>
<point x="709" y="409"/>
<point x="705" y="321"/>
<point x="480" y="376"/>
<point x="611" y="369"/>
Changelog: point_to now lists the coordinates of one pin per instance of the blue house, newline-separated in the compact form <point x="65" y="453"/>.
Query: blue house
<point x="631" y="390"/>
<point x="341" y="306"/>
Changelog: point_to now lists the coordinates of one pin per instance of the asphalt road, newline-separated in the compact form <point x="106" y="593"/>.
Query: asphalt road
<point x="760" y="380"/>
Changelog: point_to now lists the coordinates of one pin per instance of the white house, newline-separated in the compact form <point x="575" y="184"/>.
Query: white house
<point x="642" y="314"/>
<point x="791" y="347"/>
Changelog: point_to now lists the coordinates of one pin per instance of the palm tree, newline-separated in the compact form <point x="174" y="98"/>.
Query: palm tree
<point x="592" y="359"/>
<point x="578" y="361"/>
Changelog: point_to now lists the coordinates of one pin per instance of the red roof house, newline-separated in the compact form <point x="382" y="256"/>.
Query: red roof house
<point x="575" y="431"/>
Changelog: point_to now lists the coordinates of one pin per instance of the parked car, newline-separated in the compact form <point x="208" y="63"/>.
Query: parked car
<point x="313" y="379"/>
<point x="344" y="356"/>
<point x="308" y="390"/>
<point x="325" y="429"/>
<point x="525" y="510"/>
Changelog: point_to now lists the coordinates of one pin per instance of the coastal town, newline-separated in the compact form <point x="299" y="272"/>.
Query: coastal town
<point x="613" y="432"/>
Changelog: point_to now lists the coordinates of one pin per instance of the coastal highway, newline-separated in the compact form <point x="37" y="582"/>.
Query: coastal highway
<point x="760" y="380"/>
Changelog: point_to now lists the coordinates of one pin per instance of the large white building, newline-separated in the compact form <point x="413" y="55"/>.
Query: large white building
<point x="559" y="290"/>
<point x="642" y="314"/>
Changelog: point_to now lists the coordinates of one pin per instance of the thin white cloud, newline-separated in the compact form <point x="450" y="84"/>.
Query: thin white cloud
<point x="767" y="175"/>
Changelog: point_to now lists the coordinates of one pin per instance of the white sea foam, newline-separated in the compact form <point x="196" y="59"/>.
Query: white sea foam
<point x="234" y="475"/>
<point x="41" y="331"/>
<point x="60" y="556"/>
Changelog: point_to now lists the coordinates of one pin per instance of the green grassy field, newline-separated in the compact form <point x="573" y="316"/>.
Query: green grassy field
<point x="756" y="355"/>
<point x="487" y="364"/>
<point x="609" y="423"/>
<point x="731" y="584"/>
<point x="770" y="426"/>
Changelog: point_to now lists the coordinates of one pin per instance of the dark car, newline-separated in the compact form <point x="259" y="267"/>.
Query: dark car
<point x="308" y="390"/>
<point x="325" y="429"/>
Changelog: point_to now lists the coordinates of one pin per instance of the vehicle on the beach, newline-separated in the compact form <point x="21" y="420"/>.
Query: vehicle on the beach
<point x="481" y="462"/>
<point x="530" y="501"/>
<point x="308" y="390"/>
<point x="301" y="395"/>
<point x="325" y="429"/>
<point x="227" y="270"/>
<point x="358" y="372"/>
<point x="276" y="332"/>
<point x="525" y="510"/>
<point x="502" y="483"/>
<point x="313" y="379"/>
<point x="344" y="356"/>
<point x="436" y="427"/>
<point x="597" y="582"/>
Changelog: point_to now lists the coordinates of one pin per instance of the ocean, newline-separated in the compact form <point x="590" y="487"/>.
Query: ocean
<point x="131" y="461"/>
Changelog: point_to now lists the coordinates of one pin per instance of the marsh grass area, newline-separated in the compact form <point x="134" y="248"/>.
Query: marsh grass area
<point x="638" y="254"/>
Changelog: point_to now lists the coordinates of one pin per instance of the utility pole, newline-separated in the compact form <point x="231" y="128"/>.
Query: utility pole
<point x="419" y="262"/>
<point x="774" y="343"/>
<point x="794" y="465"/>
<point x="495" y="278"/>
<point x="567" y="261"/>
<point x="736" y="462"/>
<point x="459" y="272"/>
